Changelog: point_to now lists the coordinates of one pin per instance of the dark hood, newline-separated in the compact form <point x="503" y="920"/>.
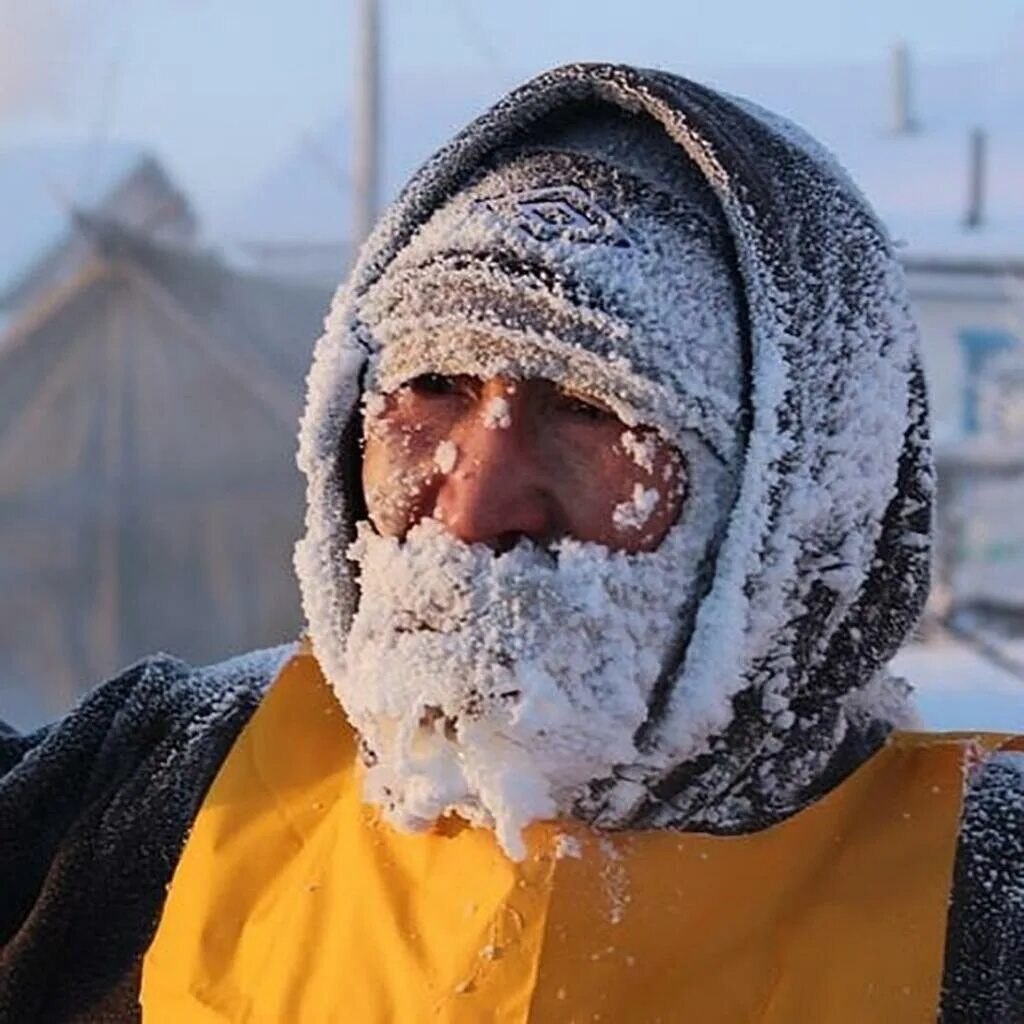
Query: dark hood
<point x="824" y="566"/>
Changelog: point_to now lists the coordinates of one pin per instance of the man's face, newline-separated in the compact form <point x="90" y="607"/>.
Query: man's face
<point x="499" y="459"/>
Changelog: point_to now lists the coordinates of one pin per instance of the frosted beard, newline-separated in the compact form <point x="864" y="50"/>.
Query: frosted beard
<point x="497" y="686"/>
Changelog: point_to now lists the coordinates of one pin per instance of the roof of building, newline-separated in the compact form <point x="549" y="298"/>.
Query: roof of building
<point x="40" y="184"/>
<point x="918" y="181"/>
<point x="149" y="496"/>
<point x="250" y="316"/>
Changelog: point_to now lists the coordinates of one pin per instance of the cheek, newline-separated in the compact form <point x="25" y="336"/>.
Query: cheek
<point x="400" y="469"/>
<point x="587" y="475"/>
<point x="624" y="495"/>
<point x="389" y="483"/>
<point x="667" y="481"/>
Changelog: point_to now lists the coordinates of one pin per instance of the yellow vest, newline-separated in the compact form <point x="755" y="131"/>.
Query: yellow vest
<point x="293" y="903"/>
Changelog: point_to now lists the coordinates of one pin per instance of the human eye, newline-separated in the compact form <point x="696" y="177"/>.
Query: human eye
<point x="439" y="385"/>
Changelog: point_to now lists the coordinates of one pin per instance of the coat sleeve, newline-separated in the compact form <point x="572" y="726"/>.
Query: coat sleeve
<point x="984" y="973"/>
<point x="94" y="811"/>
<point x="48" y="777"/>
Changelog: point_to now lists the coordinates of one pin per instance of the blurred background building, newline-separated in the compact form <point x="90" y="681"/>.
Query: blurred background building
<point x="148" y="401"/>
<point x="154" y="333"/>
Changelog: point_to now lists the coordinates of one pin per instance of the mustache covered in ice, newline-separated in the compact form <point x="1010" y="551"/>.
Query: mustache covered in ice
<point x="496" y="686"/>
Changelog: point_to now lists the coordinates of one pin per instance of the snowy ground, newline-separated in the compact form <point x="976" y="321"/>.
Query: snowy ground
<point x="959" y="689"/>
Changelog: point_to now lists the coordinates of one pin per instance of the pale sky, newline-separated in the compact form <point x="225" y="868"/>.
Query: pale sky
<point x="220" y="89"/>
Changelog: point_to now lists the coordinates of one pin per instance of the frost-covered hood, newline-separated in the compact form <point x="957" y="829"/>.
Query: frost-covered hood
<point x="824" y="565"/>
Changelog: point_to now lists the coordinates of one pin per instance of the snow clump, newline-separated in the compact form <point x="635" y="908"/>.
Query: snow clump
<point x="498" y="414"/>
<point x="634" y="513"/>
<point x="445" y="456"/>
<point x="497" y="686"/>
<point x="640" y="449"/>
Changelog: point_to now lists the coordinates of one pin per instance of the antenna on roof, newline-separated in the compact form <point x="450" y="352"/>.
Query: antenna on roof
<point x="976" y="179"/>
<point x="903" y="122"/>
<point x="366" y="141"/>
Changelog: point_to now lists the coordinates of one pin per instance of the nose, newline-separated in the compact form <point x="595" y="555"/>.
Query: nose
<point x="497" y="491"/>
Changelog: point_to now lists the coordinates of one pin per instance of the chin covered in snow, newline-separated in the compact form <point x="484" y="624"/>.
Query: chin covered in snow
<point x="497" y="685"/>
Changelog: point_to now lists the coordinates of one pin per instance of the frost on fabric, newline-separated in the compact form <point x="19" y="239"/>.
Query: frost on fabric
<point x="478" y="290"/>
<point x="374" y="405"/>
<point x="115" y="786"/>
<point x="615" y="882"/>
<point x="983" y="980"/>
<point x="567" y="846"/>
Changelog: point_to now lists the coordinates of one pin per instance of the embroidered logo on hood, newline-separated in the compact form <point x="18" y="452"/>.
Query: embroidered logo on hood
<point x="564" y="213"/>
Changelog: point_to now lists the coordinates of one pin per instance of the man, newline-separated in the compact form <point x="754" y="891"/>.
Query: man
<point x="619" y="502"/>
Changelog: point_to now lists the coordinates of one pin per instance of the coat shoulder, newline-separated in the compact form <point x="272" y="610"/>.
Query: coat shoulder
<point x="984" y="977"/>
<point x="159" y="698"/>
<point x="94" y="811"/>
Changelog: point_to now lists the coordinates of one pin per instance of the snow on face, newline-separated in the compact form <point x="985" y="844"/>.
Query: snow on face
<point x="498" y="414"/>
<point x="633" y="514"/>
<point x="640" y="448"/>
<point x="445" y="456"/>
<point x="498" y="686"/>
<point x="832" y="347"/>
<point x="493" y="463"/>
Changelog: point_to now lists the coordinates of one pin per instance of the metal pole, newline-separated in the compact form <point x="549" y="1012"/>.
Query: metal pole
<point x="366" y="138"/>
<point x="976" y="180"/>
<point x="903" y="118"/>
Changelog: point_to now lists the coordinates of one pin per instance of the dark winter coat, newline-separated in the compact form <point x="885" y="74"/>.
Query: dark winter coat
<point x="94" y="813"/>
